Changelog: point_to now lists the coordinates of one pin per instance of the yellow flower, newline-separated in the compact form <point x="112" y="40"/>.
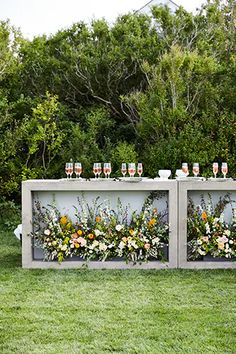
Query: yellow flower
<point x="204" y="215"/>
<point x="98" y="219"/>
<point x="63" y="220"/>
<point x="221" y="245"/>
<point x="152" y="222"/>
<point x="131" y="231"/>
<point x="91" y="236"/>
<point x="77" y="245"/>
<point x="80" y="232"/>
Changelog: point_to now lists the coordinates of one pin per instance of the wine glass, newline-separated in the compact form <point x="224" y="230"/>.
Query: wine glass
<point x="95" y="169"/>
<point x="140" y="169"/>
<point x="131" y="169"/>
<point x="69" y="169"/>
<point x="196" y="169"/>
<point x="224" y="168"/>
<point x="215" y="168"/>
<point x="78" y="169"/>
<point x="123" y="169"/>
<point x="107" y="169"/>
<point x="99" y="169"/>
<point x="185" y="168"/>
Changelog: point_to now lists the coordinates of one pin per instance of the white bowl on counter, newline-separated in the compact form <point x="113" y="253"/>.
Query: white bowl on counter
<point x="164" y="174"/>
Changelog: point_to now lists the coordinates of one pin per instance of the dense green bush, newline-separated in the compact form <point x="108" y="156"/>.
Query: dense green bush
<point x="158" y="89"/>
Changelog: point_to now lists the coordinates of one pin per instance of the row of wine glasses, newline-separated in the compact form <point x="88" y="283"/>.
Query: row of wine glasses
<point x="132" y="169"/>
<point x="224" y="168"/>
<point x="71" y="168"/>
<point x="215" y="167"/>
<point x="97" y="169"/>
<point x="76" y="168"/>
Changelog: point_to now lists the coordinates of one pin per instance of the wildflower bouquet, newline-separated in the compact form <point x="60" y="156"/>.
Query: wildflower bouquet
<point x="100" y="233"/>
<point x="145" y="236"/>
<point x="207" y="231"/>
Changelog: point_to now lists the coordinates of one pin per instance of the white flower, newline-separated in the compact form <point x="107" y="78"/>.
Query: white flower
<point x="231" y="242"/>
<point x="155" y="241"/>
<point x="97" y="232"/>
<point x="132" y="243"/>
<point x="47" y="232"/>
<point x="227" y="232"/>
<point x="208" y="230"/>
<point x="121" y="245"/>
<point x="199" y="242"/>
<point x="119" y="227"/>
<point x="201" y="252"/>
<point x="94" y="244"/>
<point x="64" y="247"/>
<point x="102" y="247"/>
<point x="222" y="217"/>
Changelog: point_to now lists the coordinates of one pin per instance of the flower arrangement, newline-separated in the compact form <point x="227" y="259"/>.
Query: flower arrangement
<point x="100" y="233"/>
<point x="207" y="231"/>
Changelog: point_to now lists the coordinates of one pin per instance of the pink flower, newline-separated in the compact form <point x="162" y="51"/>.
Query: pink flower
<point x="82" y="241"/>
<point x="147" y="246"/>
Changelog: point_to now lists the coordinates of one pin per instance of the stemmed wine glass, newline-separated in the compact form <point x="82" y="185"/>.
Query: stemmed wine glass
<point x="196" y="169"/>
<point x="107" y="169"/>
<point x="78" y="169"/>
<point x="140" y="169"/>
<point x="95" y="169"/>
<point x="215" y="167"/>
<point x="99" y="169"/>
<point x="131" y="169"/>
<point x="185" y="168"/>
<point x="224" y="168"/>
<point x="69" y="169"/>
<point x="123" y="169"/>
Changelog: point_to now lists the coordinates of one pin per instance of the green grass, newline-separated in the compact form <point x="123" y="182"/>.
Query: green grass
<point x="86" y="311"/>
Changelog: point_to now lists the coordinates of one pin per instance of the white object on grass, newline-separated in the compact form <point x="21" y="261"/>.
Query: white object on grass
<point x="18" y="231"/>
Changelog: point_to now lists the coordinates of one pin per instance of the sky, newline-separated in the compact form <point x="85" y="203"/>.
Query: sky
<point x="37" y="17"/>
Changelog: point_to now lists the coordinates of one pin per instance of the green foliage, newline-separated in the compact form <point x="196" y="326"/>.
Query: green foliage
<point x="160" y="89"/>
<point x="165" y="311"/>
<point x="10" y="214"/>
<point x="123" y="152"/>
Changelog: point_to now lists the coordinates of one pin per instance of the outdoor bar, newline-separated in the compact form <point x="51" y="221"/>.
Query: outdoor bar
<point x="209" y="193"/>
<point x="65" y="193"/>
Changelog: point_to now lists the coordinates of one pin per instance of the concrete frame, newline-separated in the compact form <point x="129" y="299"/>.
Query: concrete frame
<point x="183" y="188"/>
<point x="31" y="186"/>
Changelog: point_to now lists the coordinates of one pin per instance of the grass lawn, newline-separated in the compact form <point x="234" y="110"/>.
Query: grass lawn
<point x="86" y="311"/>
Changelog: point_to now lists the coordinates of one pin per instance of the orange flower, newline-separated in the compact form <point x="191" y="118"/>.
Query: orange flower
<point x="98" y="219"/>
<point x="204" y="215"/>
<point x="91" y="236"/>
<point x="63" y="220"/>
<point x="80" y="232"/>
<point x="155" y="210"/>
<point x="75" y="235"/>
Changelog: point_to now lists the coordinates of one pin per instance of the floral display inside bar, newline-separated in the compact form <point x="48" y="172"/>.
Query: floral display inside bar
<point x="101" y="233"/>
<point x="207" y="231"/>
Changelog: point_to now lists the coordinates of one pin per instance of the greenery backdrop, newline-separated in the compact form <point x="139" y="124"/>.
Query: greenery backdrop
<point x="160" y="89"/>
